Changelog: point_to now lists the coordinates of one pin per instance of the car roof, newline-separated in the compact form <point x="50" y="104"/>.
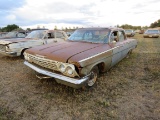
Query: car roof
<point x="101" y="28"/>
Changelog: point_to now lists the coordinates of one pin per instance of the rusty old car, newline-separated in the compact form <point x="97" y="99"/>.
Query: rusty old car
<point x="151" y="33"/>
<point x="129" y="32"/>
<point x="16" y="47"/>
<point x="78" y="61"/>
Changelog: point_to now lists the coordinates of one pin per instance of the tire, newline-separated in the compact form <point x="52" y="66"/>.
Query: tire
<point x="93" y="77"/>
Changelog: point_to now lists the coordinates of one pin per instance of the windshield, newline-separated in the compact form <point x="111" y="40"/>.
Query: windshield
<point x="11" y="34"/>
<point x="38" y="34"/>
<point x="128" y="31"/>
<point x="152" y="31"/>
<point x="94" y="36"/>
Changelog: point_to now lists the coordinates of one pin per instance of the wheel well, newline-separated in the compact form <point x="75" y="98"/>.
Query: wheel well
<point x="101" y="67"/>
<point x="23" y="50"/>
<point x="22" y="56"/>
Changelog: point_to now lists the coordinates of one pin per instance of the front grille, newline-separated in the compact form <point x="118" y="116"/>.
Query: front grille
<point x="43" y="62"/>
<point x="2" y="47"/>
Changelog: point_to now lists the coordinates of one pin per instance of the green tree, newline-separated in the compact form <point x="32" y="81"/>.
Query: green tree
<point x="66" y="29"/>
<point x="55" y="27"/>
<point x="28" y="29"/>
<point x="9" y="28"/>
<point x="126" y="26"/>
<point x="155" y="24"/>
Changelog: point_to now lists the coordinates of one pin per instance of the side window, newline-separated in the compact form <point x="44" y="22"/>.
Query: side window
<point x="114" y="36"/>
<point x="20" y="35"/>
<point x="59" y="35"/>
<point x="121" y="36"/>
<point x="88" y="35"/>
<point x="50" y="35"/>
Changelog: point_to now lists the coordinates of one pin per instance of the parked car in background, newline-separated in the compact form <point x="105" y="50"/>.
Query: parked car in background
<point x="78" y="61"/>
<point x="153" y="33"/>
<point x="16" y="47"/>
<point x="2" y="34"/>
<point x="141" y="31"/>
<point x="129" y="32"/>
<point x="137" y="31"/>
<point x="14" y="34"/>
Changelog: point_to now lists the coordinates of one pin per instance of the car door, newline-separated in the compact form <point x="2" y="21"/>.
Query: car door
<point x="124" y="43"/>
<point x="117" y="49"/>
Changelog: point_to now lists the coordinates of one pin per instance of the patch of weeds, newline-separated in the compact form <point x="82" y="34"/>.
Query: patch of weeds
<point x="156" y="74"/>
<point x="156" y="86"/>
<point x="29" y="105"/>
<point x="5" y="114"/>
<point x="112" y="114"/>
<point x="48" y="95"/>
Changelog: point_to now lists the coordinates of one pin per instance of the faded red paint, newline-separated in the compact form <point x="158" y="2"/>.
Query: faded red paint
<point x="72" y="51"/>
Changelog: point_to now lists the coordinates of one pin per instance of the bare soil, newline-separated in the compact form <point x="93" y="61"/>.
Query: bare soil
<point x="128" y="91"/>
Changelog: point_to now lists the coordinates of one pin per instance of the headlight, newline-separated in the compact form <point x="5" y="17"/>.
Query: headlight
<point x="69" y="70"/>
<point x="62" y="68"/>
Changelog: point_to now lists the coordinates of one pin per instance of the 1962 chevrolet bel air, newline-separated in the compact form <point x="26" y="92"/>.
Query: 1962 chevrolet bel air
<point x="16" y="47"/>
<point x="78" y="61"/>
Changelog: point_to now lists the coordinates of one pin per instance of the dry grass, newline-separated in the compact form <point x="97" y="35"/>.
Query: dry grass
<point x="130" y="90"/>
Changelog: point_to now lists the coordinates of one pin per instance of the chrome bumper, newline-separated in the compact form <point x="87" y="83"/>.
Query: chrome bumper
<point x="76" y="83"/>
<point x="11" y="54"/>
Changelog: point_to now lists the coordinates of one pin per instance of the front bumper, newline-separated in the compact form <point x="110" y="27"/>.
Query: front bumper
<point x="151" y="36"/>
<point x="11" y="54"/>
<point x="72" y="82"/>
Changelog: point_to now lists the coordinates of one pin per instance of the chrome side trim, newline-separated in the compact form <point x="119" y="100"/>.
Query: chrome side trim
<point x="97" y="54"/>
<point x="55" y="75"/>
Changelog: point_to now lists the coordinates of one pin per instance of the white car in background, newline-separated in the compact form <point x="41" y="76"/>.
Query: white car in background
<point x="16" y="47"/>
<point x="151" y="33"/>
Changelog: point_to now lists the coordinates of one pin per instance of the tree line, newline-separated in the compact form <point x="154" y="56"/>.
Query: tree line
<point x="12" y="27"/>
<point x="152" y="25"/>
<point x="155" y="24"/>
<point x="9" y="28"/>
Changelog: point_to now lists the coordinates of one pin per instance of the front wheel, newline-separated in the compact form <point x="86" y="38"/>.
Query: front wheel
<point x="93" y="76"/>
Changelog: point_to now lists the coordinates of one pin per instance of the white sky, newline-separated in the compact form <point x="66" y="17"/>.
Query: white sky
<point x="83" y="13"/>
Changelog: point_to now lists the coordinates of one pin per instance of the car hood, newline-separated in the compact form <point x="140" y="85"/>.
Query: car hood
<point x="8" y="41"/>
<point x="70" y="52"/>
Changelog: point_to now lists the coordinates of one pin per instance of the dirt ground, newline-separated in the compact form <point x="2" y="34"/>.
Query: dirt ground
<point x="128" y="91"/>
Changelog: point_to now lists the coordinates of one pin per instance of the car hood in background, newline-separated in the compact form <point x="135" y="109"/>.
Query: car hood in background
<point x="8" y="41"/>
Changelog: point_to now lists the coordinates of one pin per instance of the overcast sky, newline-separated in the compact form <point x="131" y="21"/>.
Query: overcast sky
<point x="78" y="13"/>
